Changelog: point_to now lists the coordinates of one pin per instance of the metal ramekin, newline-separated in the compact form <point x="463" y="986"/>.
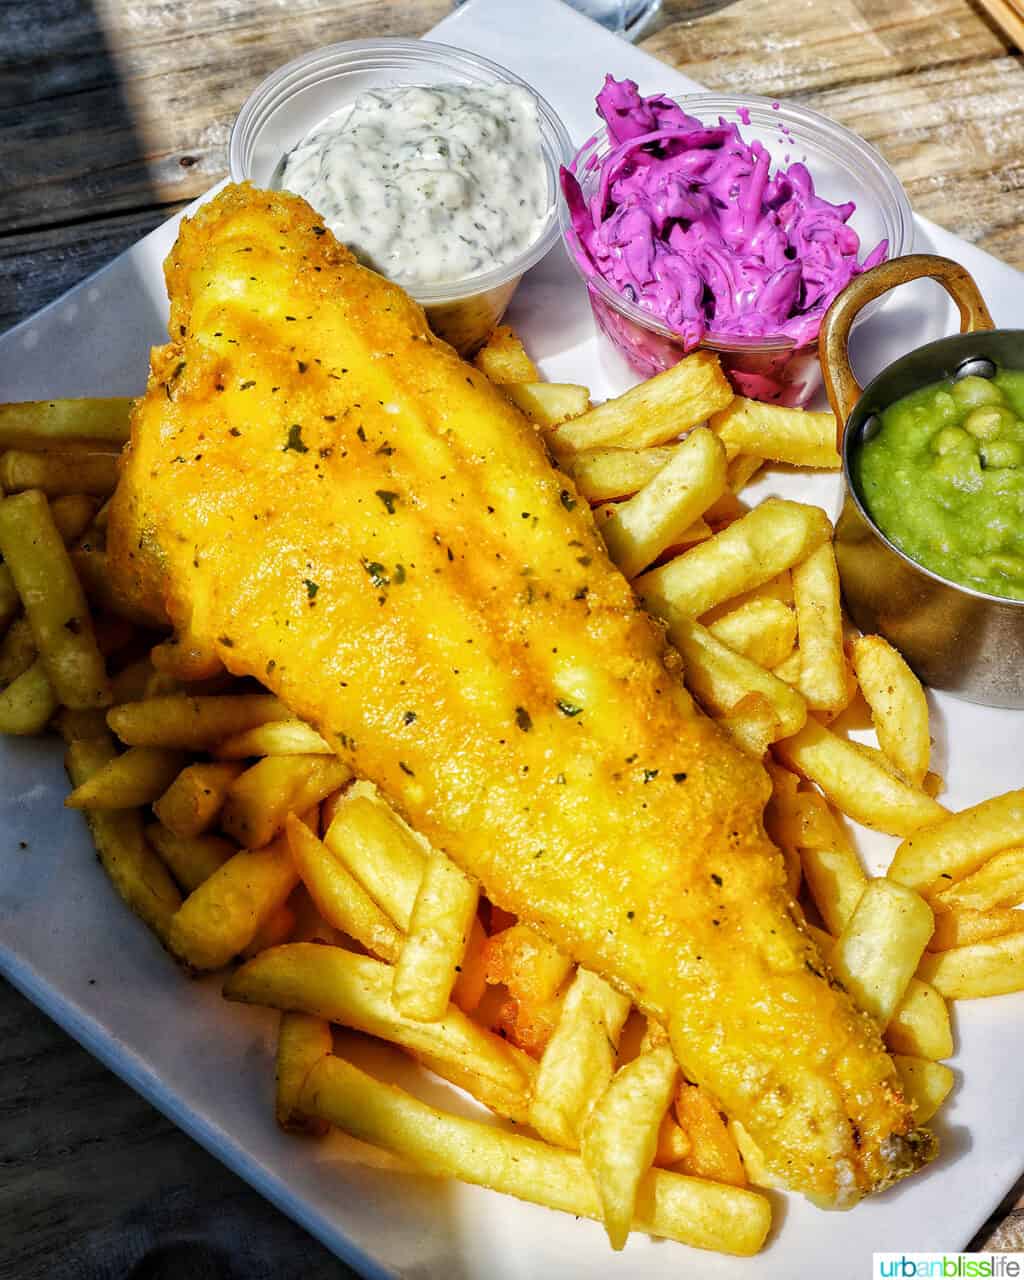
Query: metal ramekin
<point x="963" y="641"/>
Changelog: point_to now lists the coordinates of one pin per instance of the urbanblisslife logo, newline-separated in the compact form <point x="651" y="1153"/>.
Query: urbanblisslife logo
<point x="948" y="1266"/>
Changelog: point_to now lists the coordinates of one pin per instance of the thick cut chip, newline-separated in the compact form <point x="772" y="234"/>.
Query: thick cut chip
<point x="28" y="702"/>
<point x="653" y="412"/>
<point x="620" y="1138"/>
<point x="379" y="850"/>
<point x="953" y="848"/>
<point x="59" y="474"/>
<point x="713" y="1153"/>
<point x="193" y="801"/>
<point x="603" y="474"/>
<point x="191" y="859"/>
<point x="503" y="358"/>
<point x="823" y="676"/>
<point x="41" y="424"/>
<point x="694" y="1212"/>
<point x="963" y="925"/>
<point x="899" y="708"/>
<point x="920" y="1026"/>
<point x="796" y="436"/>
<point x="138" y="777"/>
<point x="880" y="948"/>
<point x="926" y="1084"/>
<point x="194" y="724"/>
<point x="260" y="799"/>
<point x="990" y="968"/>
<point x="547" y="404"/>
<point x="579" y="1059"/>
<point x="439" y="929"/>
<point x="996" y="883"/>
<point x="302" y="1040"/>
<point x="762" y="629"/>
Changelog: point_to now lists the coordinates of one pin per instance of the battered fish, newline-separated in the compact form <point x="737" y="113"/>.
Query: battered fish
<point x="320" y="494"/>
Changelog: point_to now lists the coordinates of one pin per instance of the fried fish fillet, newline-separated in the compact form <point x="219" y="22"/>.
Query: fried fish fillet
<point x="320" y="494"/>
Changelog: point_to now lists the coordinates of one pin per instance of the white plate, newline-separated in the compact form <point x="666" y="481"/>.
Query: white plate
<point x="71" y="947"/>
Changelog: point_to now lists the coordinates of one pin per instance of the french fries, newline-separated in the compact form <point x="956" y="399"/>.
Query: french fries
<point x="899" y="709"/>
<point x="762" y="629"/>
<point x="795" y="436"/>
<point x="963" y="925"/>
<point x="338" y="895"/>
<point x="657" y="410"/>
<point x="276" y="738"/>
<point x="772" y="537"/>
<point x="880" y="948"/>
<point x="191" y="860"/>
<point x="713" y="1153"/>
<point x="856" y="784"/>
<point x="356" y="991"/>
<point x="192" y="803"/>
<point x="602" y="474"/>
<point x="54" y="603"/>
<point x="221" y="917"/>
<point x="534" y="971"/>
<point x="503" y="358"/>
<point x="134" y="869"/>
<point x="639" y="530"/>
<point x="579" y="1060"/>
<point x="72" y="515"/>
<point x="138" y="777"/>
<point x="49" y="424"/>
<point x="547" y="404"/>
<point x="28" y="702"/>
<point x="951" y="849"/>
<point x="379" y="850"/>
<point x="620" y="1138"/>
<point x="259" y="800"/>
<point x="926" y="1085"/>
<point x="439" y="927"/>
<point x="820" y="631"/>
<point x="990" y="968"/>
<point x="703" y="1214"/>
<point x="302" y="1041"/>
<point x="721" y="679"/>
<point x="58" y="474"/>
<point x="997" y="883"/>
<point x="192" y="724"/>
<point x="920" y="1025"/>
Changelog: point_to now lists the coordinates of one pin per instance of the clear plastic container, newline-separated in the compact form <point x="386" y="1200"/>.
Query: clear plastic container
<point x="301" y="94"/>
<point x="843" y="166"/>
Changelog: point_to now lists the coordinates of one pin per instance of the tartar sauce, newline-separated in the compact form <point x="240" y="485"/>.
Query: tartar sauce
<point x="428" y="185"/>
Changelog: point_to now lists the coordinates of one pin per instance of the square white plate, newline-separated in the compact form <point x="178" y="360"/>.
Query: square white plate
<point x="69" y="945"/>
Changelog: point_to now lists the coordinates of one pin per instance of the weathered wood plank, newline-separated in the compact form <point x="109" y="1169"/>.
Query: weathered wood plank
<point x="929" y="82"/>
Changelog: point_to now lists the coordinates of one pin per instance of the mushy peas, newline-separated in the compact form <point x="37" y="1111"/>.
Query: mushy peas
<point x="944" y="480"/>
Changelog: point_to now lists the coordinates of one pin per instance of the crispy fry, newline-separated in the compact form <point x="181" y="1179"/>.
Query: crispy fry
<point x="439" y="927"/>
<point x="136" y="872"/>
<point x="219" y="919"/>
<point x="357" y="992"/>
<point x="190" y="859"/>
<point x="990" y="968"/>
<point x="713" y="1152"/>
<point x="260" y="799"/>
<point x="752" y="724"/>
<point x="547" y="404"/>
<point x="503" y="358"/>
<point x="603" y="474"/>
<point x="579" y="1059"/>
<point x="657" y="410"/>
<point x="10" y="602"/>
<point x="997" y="883"/>
<point x="17" y="651"/>
<point x="471" y="971"/>
<point x="963" y="925"/>
<point x="90" y="563"/>
<point x="697" y="1213"/>
<point x="836" y="881"/>
<point x="772" y="537"/>
<point x="338" y="895"/>
<point x="920" y="1025"/>
<point x="639" y="530"/>
<point x="379" y="850"/>
<point x="192" y="803"/>
<point x="856" y="784"/>
<point x="958" y="845"/>
<point x="620" y="1137"/>
<point x="43" y="424"/>
<point x="742" y="470"/>
<point x="926" y="1084"/>
<point x="72" y="515"/>
<point x="762" y="629"/>
<point x="54" y="602"/>
<point x="823" y="678"/>
<point x="880" y="947"/>
<point x="193" y="724"/>
<point x="278" y="738"/>
<point x="796" y="436"/>
<point x="899" y="709"/>
<point x="534" y="971"/>
<point x="28" y="702"/>
<point x="302" y="1041"/>
<point x="275" y="930"/>
<point x="75" y="725"/>
<point x="720" y="679"/>
<point x="137" y="777"/>
<point x="59" y="474"/>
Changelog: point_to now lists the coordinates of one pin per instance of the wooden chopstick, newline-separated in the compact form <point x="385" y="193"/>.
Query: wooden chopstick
<point x="1008" y="15"/>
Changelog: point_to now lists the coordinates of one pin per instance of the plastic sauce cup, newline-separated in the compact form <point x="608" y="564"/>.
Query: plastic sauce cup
<point x="843" y="167"/>
<point x="303" y="93"/>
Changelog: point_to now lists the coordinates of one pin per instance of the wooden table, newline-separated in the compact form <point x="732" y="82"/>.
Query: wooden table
<point x="112" y="117"/>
